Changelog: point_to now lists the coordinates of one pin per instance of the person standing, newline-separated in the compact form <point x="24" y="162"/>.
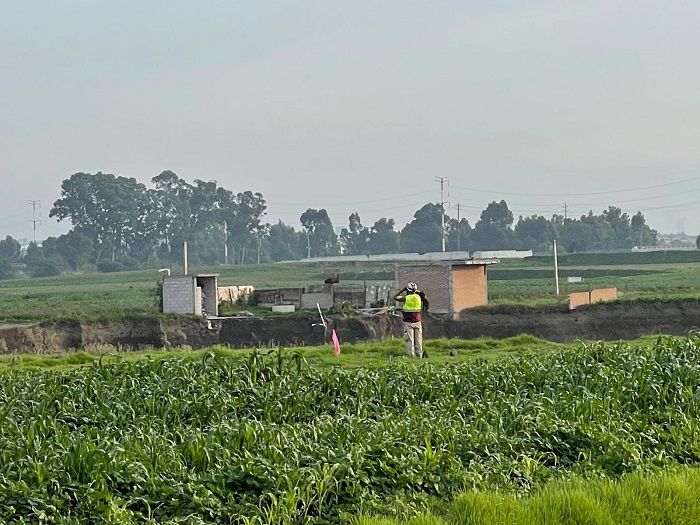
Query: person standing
<point x="414" y="302"/>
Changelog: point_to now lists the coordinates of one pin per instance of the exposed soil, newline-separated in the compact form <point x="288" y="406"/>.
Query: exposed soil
<point x="599" y="322"/>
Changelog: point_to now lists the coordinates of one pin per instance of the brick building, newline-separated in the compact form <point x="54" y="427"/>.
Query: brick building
<point x="450" y="286"/>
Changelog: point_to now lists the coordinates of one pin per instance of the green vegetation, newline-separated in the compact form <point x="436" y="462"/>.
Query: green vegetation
<point x="628" y="257"/>
<point x="271" y="439"/>
<point x="132" y="294"/>
<point x="638" y="498"/>
<point x="353" y="355"/>
<point x="118" y="224"/>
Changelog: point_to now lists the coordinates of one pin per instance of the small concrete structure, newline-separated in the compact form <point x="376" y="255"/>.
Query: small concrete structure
<point x="191" y="294"/>
<point x="449" y="286"/>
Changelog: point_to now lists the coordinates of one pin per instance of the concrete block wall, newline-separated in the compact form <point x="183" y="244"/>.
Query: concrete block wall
<point x="324" y="300"/>
<point x="209" y="299"/>
<point x="376" y="293"/>
<point x="278" y="296"/>
<point x="178" y="295"/>
<point x="354" y="295"/>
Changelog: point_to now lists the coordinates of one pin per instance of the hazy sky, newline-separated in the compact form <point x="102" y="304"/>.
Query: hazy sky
<point x="359" y="106"/>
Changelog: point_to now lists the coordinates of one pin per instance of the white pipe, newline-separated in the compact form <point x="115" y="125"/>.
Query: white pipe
<point x="165" y="270"/>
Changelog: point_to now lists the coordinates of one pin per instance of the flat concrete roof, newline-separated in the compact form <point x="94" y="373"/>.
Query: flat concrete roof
<point x="468" y="262"/>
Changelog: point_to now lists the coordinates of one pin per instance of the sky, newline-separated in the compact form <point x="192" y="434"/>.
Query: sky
<point x="358" y="106"/>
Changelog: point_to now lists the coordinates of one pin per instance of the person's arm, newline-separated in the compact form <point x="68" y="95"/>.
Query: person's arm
<point x="399" y="297"/>
<point x="424" y="300"/>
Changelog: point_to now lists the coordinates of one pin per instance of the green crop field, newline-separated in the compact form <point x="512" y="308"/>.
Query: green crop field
<point x="530" y="282"/>
<point x="277" y="438"/>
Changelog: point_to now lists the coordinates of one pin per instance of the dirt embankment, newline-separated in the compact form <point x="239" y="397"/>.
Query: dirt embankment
<point x="604" y="321"/>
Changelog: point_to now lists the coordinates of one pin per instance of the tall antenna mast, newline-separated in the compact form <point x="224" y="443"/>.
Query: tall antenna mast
<point x="442" y="181"/>
<point x="35" y="205"/>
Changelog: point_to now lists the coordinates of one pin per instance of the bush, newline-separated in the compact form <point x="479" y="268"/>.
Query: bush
<point x="110" y="266"/>
<point x="118" y="265"/>
<point x="45" y="267"/>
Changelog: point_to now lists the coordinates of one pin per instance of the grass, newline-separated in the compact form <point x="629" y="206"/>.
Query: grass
<point x="103" y="296"/>
<point x="640" y="498"/>
<point x="98" y="296"/>
<point x="372" y="355"/>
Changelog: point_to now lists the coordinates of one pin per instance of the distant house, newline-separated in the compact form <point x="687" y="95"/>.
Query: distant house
<point x="450" y="286"/>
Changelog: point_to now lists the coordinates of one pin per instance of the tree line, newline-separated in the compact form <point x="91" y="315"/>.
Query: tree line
<point x="119" y="223"/>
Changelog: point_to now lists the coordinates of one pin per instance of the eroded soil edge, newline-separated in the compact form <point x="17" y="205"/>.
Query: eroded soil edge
<point x="599" y="322"/>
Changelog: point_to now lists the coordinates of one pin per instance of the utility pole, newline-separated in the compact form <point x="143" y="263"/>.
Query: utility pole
<point x="259" y="241"/>
<point x="308" y="244"/>
<point x="34" y="205"/>
<point x="459" y="236"/>
<point x="556" y="268"/>
<point x="442" y="181"/>
<point x="225" y="243"/>
<point x="564" y="213"/>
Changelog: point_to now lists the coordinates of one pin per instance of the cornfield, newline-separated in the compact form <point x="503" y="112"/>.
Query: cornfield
<point x="270" y="439"/>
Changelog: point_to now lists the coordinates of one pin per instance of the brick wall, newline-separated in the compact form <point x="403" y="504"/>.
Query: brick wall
<point x="594" y="296"/>
<point x="233" y="293"/>
<point x="178" y="295"/>
<point x="603" y="294"/>
<point x="579" y="299"/>
<point x="433" y="279"/>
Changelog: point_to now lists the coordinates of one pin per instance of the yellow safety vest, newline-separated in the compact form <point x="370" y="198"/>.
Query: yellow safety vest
<point x="413" y="303"/>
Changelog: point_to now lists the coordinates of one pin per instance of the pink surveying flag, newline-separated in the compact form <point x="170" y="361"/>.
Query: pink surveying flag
<point x="336" y="343"/>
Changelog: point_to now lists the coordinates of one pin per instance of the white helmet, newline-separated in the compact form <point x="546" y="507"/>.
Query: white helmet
<point x="411" y="287"/>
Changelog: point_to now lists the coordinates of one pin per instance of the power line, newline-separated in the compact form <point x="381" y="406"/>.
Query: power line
<point x="608" y="192"/>
<point x="370" y="201"/>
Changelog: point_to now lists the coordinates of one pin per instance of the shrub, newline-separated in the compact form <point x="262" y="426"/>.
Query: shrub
<point x="110" y="266"/>
<point x="45" y="267"/>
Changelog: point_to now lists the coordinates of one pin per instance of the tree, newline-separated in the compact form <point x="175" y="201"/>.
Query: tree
<point x="283" y="243"/>
<point x="458" y="235"/>
<point x="424" y="232"/>
<point x="5" y="268"/>
<point x="492" y="231"/>
<point x="697" y="242"/>
<point x="172" y="213"/>
<point x="642" y="235"/>
<point x="534" y="233"/>
<point x="383" y="238"/>
<point x="620" y="228"/>
<point x="10" y="249"/>
<point x="115" y="212"/>
<point x="74" y="247"/>
<point x="242" y="214"/>
<point x="356" y="237"/>
<point x="321" y="238"/>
